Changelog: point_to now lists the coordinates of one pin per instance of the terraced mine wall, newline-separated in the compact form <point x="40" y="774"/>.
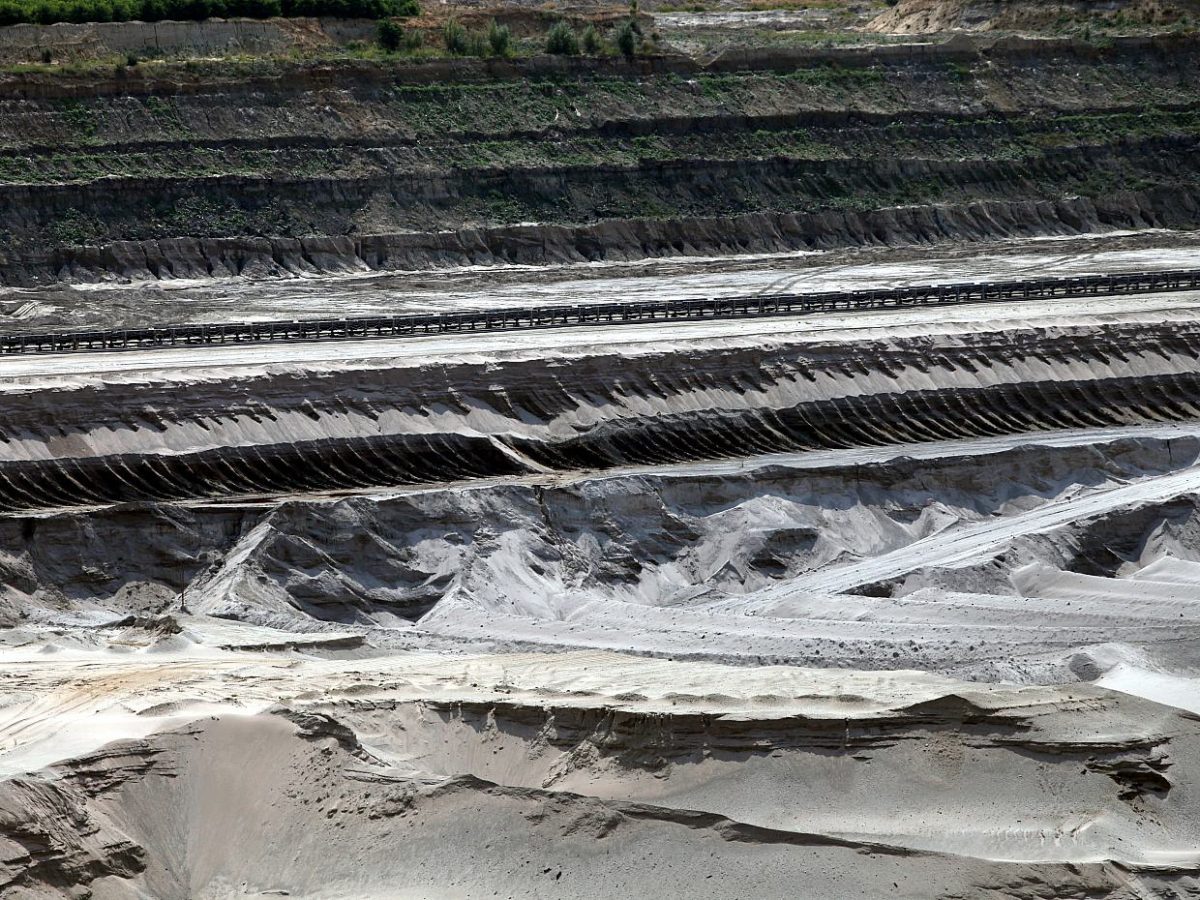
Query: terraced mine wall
<point x="281" y="432"/>
<point x="277" y="168"/>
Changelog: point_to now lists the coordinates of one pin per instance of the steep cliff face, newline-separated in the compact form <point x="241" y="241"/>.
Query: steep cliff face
<point x="283" y="169"/>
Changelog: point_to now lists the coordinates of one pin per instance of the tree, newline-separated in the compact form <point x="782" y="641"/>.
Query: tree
<point x="456" y="38"/>
<point x="499" y="38"/>
<point x="390" y="35"/>
<point x="627" y="38"/>
<point x="562" y="40"/>
<point x="591" y="40"/>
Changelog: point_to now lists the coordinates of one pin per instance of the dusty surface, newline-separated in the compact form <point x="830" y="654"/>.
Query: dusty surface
<point x="898" y="604"/>
<point x="385" y="773"/>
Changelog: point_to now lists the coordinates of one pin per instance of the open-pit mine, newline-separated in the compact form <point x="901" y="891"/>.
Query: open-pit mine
<point x="750" y="452"/>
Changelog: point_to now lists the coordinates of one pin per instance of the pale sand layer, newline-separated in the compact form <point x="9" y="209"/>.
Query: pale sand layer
<point x="425" y="754"/>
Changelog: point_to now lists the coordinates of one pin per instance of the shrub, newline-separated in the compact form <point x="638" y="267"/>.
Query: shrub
<point x="390" y="35"/>
<point x="627" y="38"/>
<point x="591" y="40"/>
<point x="455" y="37"/>
<point x="499" y="38"/>
<point x="477" y="44"/>
<point x="562" y="40"/>
<point x="351" y="9"/>
<point x="253" y="9"/>
<point x="48" y="12"/>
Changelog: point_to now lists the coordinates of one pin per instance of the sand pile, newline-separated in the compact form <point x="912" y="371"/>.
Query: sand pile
<point x="379" y="778"/>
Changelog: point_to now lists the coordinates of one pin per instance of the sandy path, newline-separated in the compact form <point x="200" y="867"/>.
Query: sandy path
<point x="821" y="745"/>
<point x="931" y="450"/>
<point x="630" y="338"/>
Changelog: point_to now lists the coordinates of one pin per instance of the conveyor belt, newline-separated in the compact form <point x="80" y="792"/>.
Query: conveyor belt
<point x="510" y="319"/>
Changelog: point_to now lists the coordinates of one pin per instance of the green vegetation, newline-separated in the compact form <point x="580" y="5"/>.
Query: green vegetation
<point x="591" y="40"/>
<point x="529" y="144"/>
<point x="562" y="40"/>
<point x="499" y="39"/>
<point x="960" y="71"/>
<point x="75" y="228"/>
<point x="393" y="37"/>
<point x="78" y="117"/>
<point x="47" y="12"/>
<point x="496" y="41"/>
<point x="455" y="38"/>
<point x="627" y="38"/>
<point x="389" y="34"/>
